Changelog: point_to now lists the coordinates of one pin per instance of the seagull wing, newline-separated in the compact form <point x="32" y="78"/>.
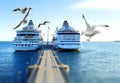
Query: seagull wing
<point x="18" y="24"/>
<point x="23" y="21"/>
<point x="27" y="13"/>
<point x="39" y="25"/>
<point x="100" y="25"/>
<point x="88" y="25"/>
<point x="94" y="26"/>
<point x="17" y="9"/>
<point x="45" y="22"/>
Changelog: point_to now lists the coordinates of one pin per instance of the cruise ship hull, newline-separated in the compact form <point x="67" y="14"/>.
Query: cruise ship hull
<point x="67" y="47"/>
<point x="26" y="48"/>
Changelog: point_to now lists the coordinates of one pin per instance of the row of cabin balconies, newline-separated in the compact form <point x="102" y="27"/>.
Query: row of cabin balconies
<point x="28" y="37"/>
<point x="28" y="32"/>
<point x="68" y="43"/>
<point x="68" y="39"/>
<point x="34" y="42"/>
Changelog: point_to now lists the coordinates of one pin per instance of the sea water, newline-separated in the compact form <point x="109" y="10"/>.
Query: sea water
<point x="97" y="62"/>
<point x="13" y="65"/>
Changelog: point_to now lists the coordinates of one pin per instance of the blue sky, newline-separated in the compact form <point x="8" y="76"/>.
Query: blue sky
<point x="56" y="11"/>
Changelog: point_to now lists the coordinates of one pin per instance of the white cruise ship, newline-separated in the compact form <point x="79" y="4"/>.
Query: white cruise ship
<point x="28" y="38"/>
<point x="66" y="38"/>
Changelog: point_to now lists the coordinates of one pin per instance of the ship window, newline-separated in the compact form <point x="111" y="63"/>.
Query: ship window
<point x="18" y="34"/>
<point x="62" y="44"/>
<point x="21" y="34"/>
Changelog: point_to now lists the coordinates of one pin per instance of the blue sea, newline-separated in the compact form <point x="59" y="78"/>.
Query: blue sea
<point x="97" y="62"/>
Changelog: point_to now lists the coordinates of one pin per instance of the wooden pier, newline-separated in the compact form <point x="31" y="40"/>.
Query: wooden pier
<point x="48" y="70"/>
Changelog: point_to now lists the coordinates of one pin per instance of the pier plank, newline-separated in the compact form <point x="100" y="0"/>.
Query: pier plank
<point x="48" y="70"/>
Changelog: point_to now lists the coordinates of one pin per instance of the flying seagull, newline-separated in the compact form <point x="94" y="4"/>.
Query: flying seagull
<point x="90" y="30"/>
<point x="24" y="21"/>
<point x="23" y="11"/>
<point x="43" y="23"/>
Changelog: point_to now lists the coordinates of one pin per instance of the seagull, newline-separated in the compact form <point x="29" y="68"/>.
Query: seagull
<point x="23" y="11"/>
<point x="24" y="21"/>
<point x="90" y="30"/>
<point x="43" y="23"/>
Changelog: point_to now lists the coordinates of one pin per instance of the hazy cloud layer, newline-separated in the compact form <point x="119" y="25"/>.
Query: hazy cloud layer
<point x="97" y="4"/>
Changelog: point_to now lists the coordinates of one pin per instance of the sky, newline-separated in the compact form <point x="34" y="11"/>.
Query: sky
<point x="56" y="11"/>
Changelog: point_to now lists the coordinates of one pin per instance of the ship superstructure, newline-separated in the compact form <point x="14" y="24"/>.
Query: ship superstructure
<point x="66" y="37"/>
<point x="28" y="38"/>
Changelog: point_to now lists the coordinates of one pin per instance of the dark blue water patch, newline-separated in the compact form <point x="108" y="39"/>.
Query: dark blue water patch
<point x="97" y="62"/>
<point x="71" y="59"/>
<point x="13" y="65"/>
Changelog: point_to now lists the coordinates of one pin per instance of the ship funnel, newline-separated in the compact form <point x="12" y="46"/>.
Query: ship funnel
<point x="65" y="23"/>
<point x="30" y="24"/>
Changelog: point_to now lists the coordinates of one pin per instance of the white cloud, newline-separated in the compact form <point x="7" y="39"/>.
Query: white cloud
<point x="97" y="4"/>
